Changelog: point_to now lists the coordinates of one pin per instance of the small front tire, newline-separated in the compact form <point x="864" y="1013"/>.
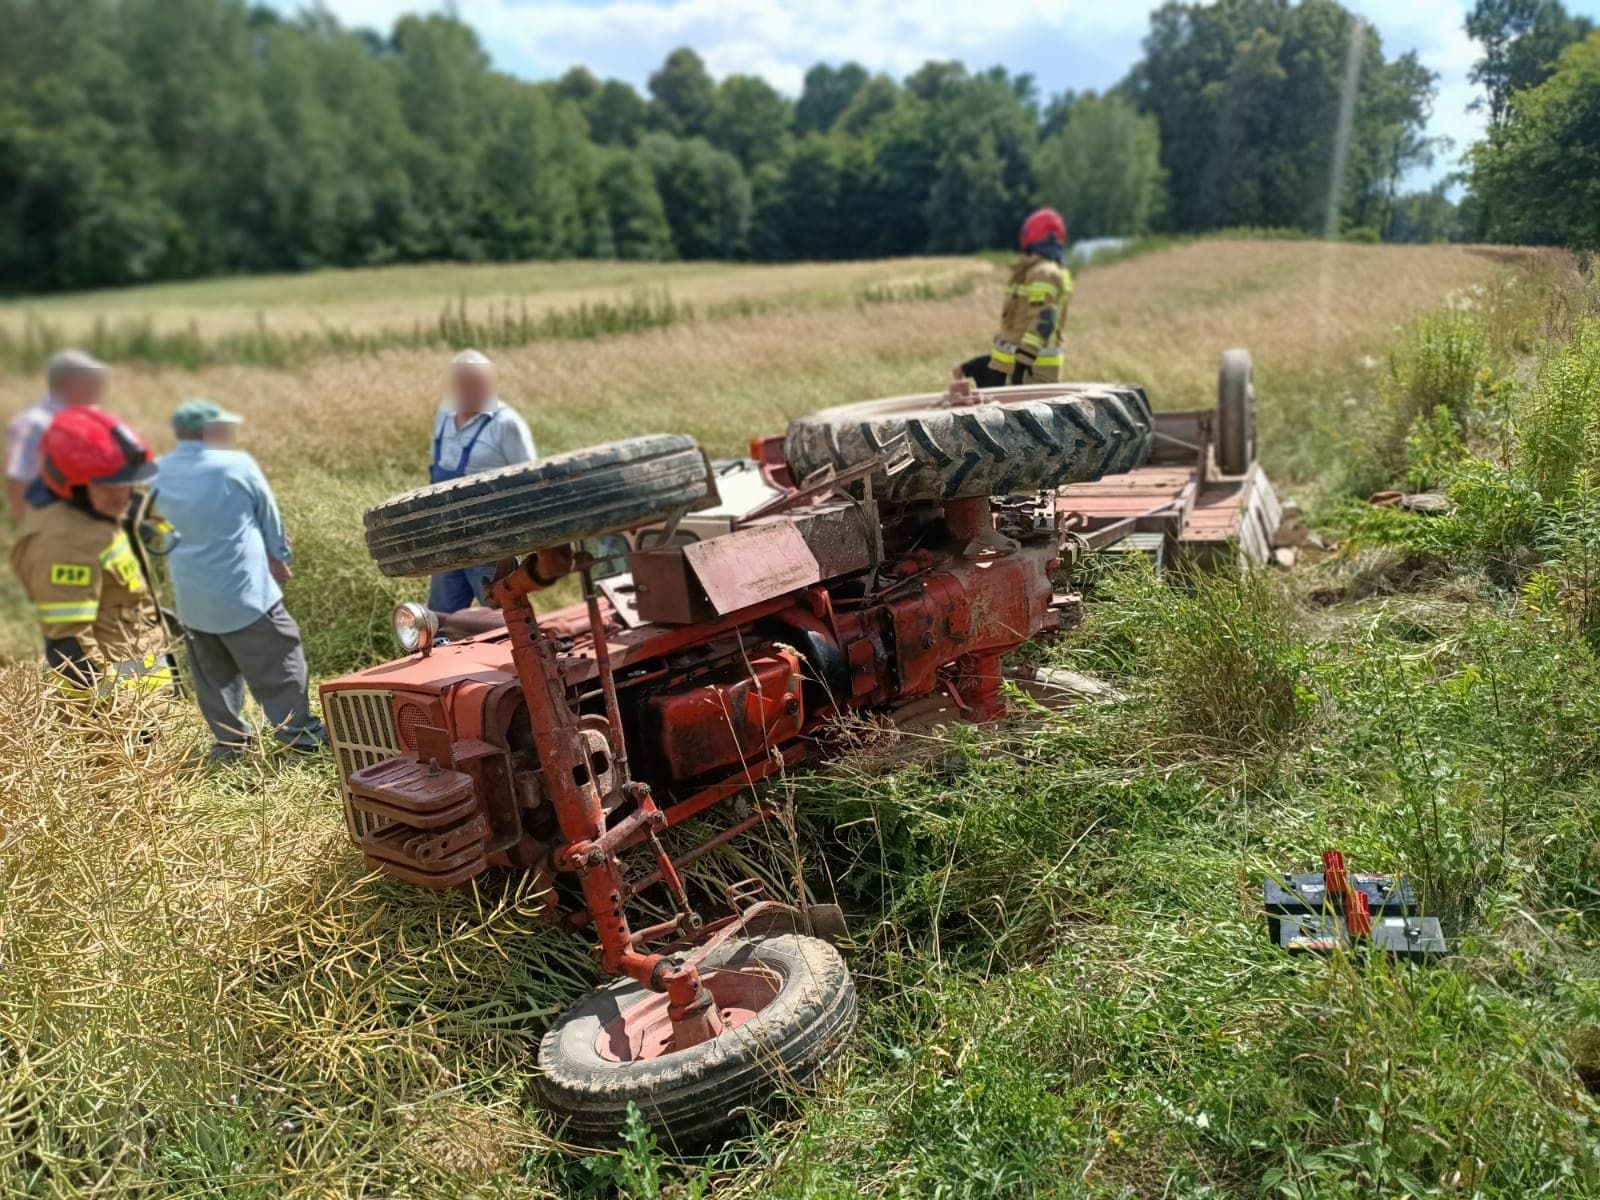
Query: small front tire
<point x="790" y="1005"/>
<point x="1236" y="413"/>
<point x="515" y="510"/>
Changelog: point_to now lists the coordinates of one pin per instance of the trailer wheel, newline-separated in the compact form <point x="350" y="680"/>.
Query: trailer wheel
<point x="1016" y="439"/>
<point x="1236" y="413"/>
<point x="790" y="1006"/>
<point x="531" y="506"/>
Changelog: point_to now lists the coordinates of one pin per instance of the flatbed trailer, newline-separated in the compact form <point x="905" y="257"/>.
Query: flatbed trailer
<point x="1180" y="507"/>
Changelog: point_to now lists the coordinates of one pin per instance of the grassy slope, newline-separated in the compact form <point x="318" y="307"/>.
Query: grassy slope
<point x="1067" y="992"/>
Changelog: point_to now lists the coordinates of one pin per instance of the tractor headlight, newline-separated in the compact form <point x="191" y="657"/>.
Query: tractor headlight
<point x="414" y="627"/>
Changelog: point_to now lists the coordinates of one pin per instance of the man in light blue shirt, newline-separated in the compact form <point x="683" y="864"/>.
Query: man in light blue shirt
<point x="231" y="558"/>
<point x="473" y="432"/>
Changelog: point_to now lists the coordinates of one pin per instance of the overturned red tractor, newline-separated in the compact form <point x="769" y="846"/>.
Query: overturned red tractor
<point x="902" y="550"/>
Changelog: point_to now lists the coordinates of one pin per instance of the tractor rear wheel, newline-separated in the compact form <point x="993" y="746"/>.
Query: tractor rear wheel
<point x="555" y="501"/>
<point x="789" y="1007"/>
<point x="1015" y="439"/>
<point x="1236" y="413"/>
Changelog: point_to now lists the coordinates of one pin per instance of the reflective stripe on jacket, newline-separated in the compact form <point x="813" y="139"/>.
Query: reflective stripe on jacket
<point x="85" y="583"/>
<point x="1031" y="319"/>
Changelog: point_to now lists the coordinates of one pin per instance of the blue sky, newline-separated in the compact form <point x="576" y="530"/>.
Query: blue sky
<point x="1066" y="44"/>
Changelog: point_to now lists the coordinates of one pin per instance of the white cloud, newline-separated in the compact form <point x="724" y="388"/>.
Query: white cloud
<point x="1065" y="45"/>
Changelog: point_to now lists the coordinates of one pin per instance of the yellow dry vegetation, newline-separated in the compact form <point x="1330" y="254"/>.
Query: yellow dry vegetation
<point x="1160" y="319"/>
<point x="373" y="299"/>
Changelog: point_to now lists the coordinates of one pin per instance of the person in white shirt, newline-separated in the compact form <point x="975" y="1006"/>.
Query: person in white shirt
<point x="473" y="432"/>
<point x="70" y="377"/>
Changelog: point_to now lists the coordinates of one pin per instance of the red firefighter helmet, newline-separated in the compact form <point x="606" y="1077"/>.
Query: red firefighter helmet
<point x="1042" y="224"/>
<point x="84" y="445"/>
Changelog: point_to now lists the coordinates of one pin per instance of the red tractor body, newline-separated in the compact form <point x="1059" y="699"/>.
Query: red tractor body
<point x="707" y="708"/>
<point x="924" y="541"/>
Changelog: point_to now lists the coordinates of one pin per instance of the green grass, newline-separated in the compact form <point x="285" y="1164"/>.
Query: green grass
<point x="1067" y="988"/>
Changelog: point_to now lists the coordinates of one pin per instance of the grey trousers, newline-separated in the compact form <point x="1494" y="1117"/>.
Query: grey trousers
<point x="267" y="656"/>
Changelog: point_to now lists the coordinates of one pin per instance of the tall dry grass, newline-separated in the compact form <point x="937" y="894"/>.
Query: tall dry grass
<point x="372" y="300"/>
<point x="203" y="992"/>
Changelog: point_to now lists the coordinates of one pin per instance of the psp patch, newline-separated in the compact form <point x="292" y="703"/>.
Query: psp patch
<point x="71" y="575"/>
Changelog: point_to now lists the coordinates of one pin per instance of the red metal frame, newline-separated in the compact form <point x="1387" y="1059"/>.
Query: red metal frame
<point x="936" y="617"/>
<point x="537" y="721"/>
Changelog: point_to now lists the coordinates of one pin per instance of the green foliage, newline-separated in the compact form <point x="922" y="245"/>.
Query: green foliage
<point x="1521" y="40"/>
<point x="1537" y="177"/>
<point x="1434" y="450"/>
<point x="683" y="96"/>
<point x="1430" y="382"/>
<point x="1518" y="460"/>
<point x="1568" y="585"/>
<point x="750" y="120"/>
<point x="1429" y="216"/>
<point x="1247" y="98"/>
<point x="1102" y="168"/>
<point x="1072" y="991"/>
<point x="636" y="1171"/>
<point x="984" y="137"/>
<point x="1436" y="364"/>
<point x="827" y="93"/>
<point x="1218" y="649"/>
<point x="1558" y="418"/>
<point x="704" y="194"/>
<point x="150" y="140"/>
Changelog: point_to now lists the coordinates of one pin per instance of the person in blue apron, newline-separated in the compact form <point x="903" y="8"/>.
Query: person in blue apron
<point x="473" y="432"/>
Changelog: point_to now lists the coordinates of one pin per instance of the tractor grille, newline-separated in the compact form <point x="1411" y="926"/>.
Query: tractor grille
<point x="362" y="732"/>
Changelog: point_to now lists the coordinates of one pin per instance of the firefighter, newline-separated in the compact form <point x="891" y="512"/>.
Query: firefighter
<point x="1028" y="347"/>
<point x="102" y="629"/>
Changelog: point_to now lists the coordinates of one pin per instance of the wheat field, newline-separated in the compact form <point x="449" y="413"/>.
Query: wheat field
<point x="372" y="299"/>
<point x="1160" y="319"/>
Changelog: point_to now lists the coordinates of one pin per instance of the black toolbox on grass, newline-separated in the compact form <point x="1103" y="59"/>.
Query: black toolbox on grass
<point x="1302" y="917"/>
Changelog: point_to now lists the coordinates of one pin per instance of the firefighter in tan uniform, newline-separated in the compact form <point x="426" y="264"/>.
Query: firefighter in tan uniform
<point x="102" y="630"/>
<point x="1027" y="349"/>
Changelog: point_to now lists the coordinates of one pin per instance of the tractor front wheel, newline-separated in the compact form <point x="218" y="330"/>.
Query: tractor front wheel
<point x="515" y="510"/>
<point x="788" y="1007"/>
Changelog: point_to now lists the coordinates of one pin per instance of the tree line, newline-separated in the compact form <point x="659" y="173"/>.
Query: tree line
<point x="1536" y="177"/>
<point x="154" y="139"/>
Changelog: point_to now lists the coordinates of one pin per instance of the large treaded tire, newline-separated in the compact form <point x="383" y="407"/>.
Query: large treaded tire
<point x="1236" y="413"/>
<point x="692" y="1096"/>
<point x="1018" y="439"/>
<point x="531" y="506"/>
